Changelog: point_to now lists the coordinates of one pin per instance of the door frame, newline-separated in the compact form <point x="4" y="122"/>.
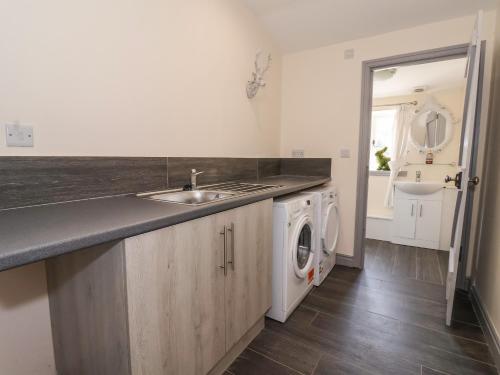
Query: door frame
<point x="419" y="57"/>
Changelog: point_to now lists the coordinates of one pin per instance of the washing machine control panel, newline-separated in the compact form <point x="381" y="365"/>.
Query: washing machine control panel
<point x="297" y="208"/>
<point x="329" y="196"/>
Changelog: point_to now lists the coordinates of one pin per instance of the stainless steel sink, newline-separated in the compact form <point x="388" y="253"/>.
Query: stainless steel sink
<point x="193" y="197"/>
<point x="208" y="194"/>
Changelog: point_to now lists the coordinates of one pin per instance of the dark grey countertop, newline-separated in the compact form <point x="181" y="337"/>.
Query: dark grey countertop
<point x="31" y="234"/>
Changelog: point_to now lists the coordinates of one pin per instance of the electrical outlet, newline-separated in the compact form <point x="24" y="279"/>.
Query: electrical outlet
<point x="297" y="153"/>
<point x="18" y="135"/>
<point x="345" y="153"/>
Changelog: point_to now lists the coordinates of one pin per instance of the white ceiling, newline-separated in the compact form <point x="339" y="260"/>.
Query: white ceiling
<point x="302" y="24"/>
<point x="436" y="76"/>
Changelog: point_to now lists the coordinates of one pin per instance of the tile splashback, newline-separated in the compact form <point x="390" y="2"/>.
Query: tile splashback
<point x="306" y="166"/>
<point x="214" y="170"/>
<point x="26" y="181"/>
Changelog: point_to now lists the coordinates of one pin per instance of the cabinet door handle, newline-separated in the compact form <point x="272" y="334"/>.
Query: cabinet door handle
<point x="412" y="208"/>
<point x="231" y="229"/>
<point x="224" y="261"/>
<point x="420" y="209"/>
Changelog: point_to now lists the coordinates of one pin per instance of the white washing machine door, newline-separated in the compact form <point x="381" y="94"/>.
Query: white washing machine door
<point x="330" y="230"/>
<point x="302" y="250"/>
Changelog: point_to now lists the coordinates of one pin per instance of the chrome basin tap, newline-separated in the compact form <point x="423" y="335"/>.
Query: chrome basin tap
<point x="193" y="178"/>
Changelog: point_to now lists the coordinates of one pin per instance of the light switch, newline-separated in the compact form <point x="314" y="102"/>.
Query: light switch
<point x="298" y="153"/>
<point x="18" y="135"/>
<point x="345" y="153"/>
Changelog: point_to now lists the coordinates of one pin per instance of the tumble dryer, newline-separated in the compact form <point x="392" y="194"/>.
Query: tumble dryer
<point x="326" y="218"/>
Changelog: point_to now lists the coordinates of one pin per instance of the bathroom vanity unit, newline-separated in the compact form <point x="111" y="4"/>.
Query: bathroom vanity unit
<point x="423" y="214"/>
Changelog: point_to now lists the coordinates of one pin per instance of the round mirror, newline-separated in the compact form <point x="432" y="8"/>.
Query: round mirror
<point x="431" y="128"/>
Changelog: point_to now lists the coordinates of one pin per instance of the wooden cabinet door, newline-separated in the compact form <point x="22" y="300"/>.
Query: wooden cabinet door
<point x="405" y="216"/>
<point x="428" y="221"/>
<point x="175" y="290"/>
<point x="248" y="281"/>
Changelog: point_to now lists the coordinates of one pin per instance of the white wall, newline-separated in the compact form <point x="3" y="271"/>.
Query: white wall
<point x="321" y="99"/>
<point x="137" y="78"/>
<point x="124" y="78"/>
<point x="453" y="100"/>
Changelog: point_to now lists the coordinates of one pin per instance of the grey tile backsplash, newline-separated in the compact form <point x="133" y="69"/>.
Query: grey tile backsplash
<point x="306" y="166"/>
<point x="27" y="180"/>
<point x="268" y="167"/>
<point x="214" y="170"/>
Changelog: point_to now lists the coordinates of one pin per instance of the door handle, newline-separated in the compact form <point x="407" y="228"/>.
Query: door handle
<point x="474" y="181"/>
<point x="421" y="209"/>
<point x="231" y="230"/>
<point x="412" y="208"/>
<point x="224" y="261"/>
<point x="457" y="179"/>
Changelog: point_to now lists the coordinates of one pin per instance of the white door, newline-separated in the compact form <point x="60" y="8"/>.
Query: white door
<point x="428" y="221"/>
<point x="405" y="216"/>
<point x="463" y="176"/>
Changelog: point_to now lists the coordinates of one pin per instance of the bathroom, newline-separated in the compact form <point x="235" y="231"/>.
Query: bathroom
<point x="412" y="226"/>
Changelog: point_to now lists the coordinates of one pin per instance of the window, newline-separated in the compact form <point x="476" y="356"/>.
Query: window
<point x="383" y="134"/>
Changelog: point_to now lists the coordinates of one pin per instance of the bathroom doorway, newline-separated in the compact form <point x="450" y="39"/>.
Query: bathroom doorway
<point x="427" y="124"/>
<point x="416" y="127"/>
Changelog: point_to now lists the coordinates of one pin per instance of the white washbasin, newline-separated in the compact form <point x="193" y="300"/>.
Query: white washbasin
<point x="419" y="188"/>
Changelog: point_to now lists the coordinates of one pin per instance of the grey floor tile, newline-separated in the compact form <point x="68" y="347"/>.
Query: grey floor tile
<point x="252" y="363"/>
<point x="379" y="321"/>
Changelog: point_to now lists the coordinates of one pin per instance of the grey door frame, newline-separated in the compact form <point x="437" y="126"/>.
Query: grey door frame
<point x="420" y="57"/>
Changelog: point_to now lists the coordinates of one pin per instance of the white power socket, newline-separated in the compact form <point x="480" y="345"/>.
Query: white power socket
<point x="345" y="153"/>
<point x="18" y="135"/>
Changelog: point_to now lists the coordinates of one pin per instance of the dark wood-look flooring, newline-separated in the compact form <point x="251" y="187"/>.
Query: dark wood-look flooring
<point x="386" y="319"/>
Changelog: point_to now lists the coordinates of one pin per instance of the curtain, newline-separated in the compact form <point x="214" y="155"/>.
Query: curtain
<point x="403" y="121"/>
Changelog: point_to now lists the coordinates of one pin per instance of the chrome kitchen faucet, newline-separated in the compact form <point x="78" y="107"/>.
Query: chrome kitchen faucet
<point x="193" y="178"/>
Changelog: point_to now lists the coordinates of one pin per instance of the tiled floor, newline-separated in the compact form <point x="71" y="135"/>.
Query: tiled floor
<point x="386" y="319"/>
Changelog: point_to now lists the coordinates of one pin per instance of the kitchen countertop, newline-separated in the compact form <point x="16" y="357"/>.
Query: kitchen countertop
<point x="31" y="234"/>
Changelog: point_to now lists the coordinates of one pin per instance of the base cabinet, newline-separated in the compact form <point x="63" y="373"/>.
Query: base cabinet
<point x="171" y="301"/>
<point x="248" y="285"/>
<point x="175" y="292"/>
<point x="428" y="226"/>
<point x="405" y="218"/>
<point x="417" y="219"/>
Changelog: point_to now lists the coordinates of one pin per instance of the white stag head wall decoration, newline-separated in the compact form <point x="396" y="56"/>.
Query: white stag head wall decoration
<point x="258" y="76"/>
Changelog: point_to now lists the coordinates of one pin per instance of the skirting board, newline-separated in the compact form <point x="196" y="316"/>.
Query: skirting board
<point x="345" y="260"/>
<point x="491" y="337"/>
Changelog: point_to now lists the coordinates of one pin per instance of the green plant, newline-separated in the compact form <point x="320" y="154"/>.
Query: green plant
<point x="382" y="160"/>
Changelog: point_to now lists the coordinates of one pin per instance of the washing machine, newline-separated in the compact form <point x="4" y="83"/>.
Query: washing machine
<point x="326" y="219"/>
<point x="294" y="234"/>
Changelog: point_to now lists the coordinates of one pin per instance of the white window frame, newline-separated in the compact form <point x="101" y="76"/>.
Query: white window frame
<point x="375" y="172"/>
